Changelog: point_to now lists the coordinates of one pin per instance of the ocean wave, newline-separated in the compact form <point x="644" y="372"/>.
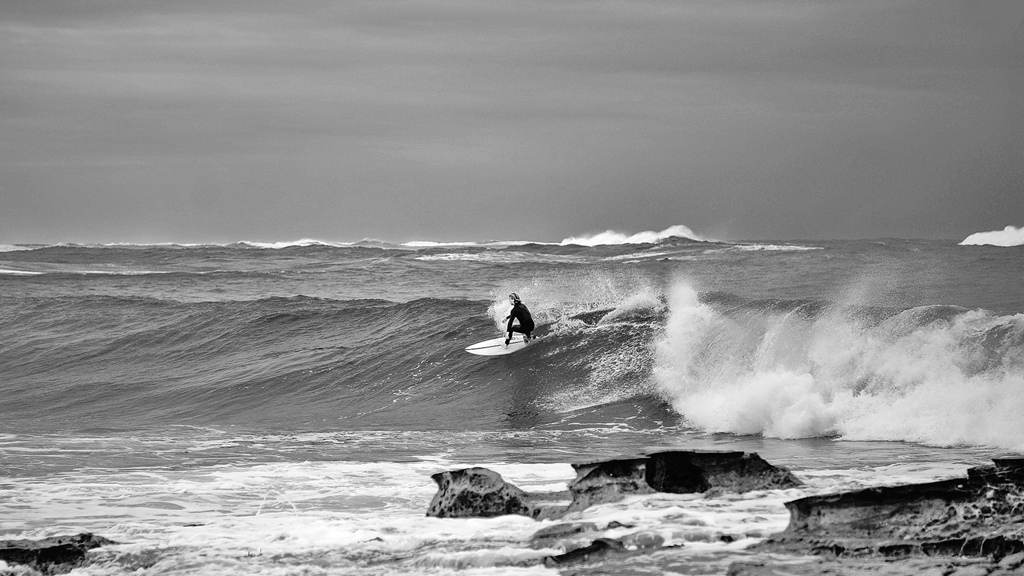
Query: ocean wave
<point x="774" y="248"/>
<point x="607" y="238"/>
<point x="431" y="244"/>
<point x="303" y="243"/>
<point x="75" y="272"/>
<point x="610" y="237"/>
<point x="16" y="247"/>
<point x="1008" y="236"/>
<point x="498" y="257"/>
<point x="937" y="375"/>
<point x="769" y="359"/>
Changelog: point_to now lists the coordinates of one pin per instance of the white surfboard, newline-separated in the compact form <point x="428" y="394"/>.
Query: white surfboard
<point x="496" y="346"/>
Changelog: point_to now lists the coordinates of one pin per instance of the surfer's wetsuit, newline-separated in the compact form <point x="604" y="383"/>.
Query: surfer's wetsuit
<point x="522" y="313"/>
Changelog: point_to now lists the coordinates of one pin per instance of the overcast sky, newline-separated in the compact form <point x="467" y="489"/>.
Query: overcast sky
<point x="226" y="120"/>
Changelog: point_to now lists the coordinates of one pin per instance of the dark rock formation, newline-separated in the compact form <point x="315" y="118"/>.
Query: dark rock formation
<point x="676" y="472"/>
<point x="876" y="567"/>
<point x="608" y="481"/>
<point x="481" y="492"/>
<point x="596" y="550"/>
<point x="557" y="534"/>
<point x="981" y="515"/>
<point x="51" y="555"/>
<point x="917" y="566"/>
<point x="969" y="525"/>
<point x="685" y="472"/>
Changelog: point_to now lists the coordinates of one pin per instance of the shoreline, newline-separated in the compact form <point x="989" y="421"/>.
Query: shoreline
<point x="972" y="525"/>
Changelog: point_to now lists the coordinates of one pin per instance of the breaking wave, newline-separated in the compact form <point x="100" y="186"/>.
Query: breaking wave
<point x="611" y="237"/>
<point x="1008" y="236"/>
<point x="938" y="375"/>
<point x="303" y="243"/>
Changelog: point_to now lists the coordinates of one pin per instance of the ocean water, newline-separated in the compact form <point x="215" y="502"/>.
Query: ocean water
<point x="279" y="408"/>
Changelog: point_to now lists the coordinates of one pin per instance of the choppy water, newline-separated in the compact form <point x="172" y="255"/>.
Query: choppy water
<point x="259" y="408"/>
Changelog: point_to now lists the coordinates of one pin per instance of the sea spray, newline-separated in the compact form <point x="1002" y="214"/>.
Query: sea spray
<point x="936" y="374"/>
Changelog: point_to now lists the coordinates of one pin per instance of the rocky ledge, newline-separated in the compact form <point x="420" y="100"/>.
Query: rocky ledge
<point x="51" y="555"/>
<point x="972" y="525"/>
<point x="479" y="492"/>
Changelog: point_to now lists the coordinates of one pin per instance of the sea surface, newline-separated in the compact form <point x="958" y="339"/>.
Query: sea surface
<point x="279" y="408"/>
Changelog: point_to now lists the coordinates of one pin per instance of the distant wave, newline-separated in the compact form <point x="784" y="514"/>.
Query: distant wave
<point x="497" y="257"/>
<point x="431" y="244"/>
<point x="305" y="242"/>
<point x="15" y="247"/>
<point x="1008" y="236"/>
<point x="773" y="248"/>
<point x="610" y="237"/>
<point x="117" y="272"/>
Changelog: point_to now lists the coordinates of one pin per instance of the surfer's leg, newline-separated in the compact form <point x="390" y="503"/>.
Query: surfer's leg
<point x="519" y="329"/>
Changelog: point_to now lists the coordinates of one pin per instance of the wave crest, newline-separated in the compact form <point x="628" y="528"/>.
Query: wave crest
<point x="610" y="237"/>
<point x="1008" y="236"/>
<point x="303" y="243"/>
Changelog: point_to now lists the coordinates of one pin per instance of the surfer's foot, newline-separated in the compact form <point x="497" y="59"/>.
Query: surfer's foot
<point x="506" y="341"/>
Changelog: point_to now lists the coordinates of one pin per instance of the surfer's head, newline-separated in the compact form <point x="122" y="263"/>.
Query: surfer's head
<point x="514" y="298"/>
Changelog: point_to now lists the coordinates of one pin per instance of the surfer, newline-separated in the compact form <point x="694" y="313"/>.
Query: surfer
<point x="522" y="313"/>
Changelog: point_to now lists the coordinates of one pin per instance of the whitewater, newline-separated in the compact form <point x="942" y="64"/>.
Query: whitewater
<point x="279" y="407"/>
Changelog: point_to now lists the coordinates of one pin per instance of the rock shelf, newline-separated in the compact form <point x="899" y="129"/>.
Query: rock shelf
<point x="972" y="525"/>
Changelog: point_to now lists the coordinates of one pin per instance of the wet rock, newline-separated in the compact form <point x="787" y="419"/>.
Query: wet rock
<point x="963" y="526"/>
<point x="598" y="549"/>
<point x="645" y="539"/>
<point x="479" y="492"/>
<point x="1012" y="562"/>
<point x="684" y="472"/>
<point x="976" y="516"/>
<point x="676" y="472"/>
<point x="51" y="555"/>
<point x="862" y="567"/>
<point x="551" y="536"/>
<point x="608" y="481"/>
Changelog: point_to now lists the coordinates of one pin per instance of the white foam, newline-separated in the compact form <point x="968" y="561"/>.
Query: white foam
<point x="497" y="257"/>
<point x="154" y="245"/>
<point x="774" y="248"/>
<point x="116" y="272"/>
<point x="473" y="244"/>
<point x="786" y="376"/>
<point x="610" y="237"/>
<point x="305" y="242"/>
<point x="431" y="244"/>
<point x="15" y="248"/>
<point x="1009" y="236"/>
<point x="238" y="519"/>
<point x="18" y="272"/>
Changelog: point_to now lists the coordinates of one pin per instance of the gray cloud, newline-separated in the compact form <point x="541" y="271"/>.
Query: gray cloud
<point x="220" y="121"/>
